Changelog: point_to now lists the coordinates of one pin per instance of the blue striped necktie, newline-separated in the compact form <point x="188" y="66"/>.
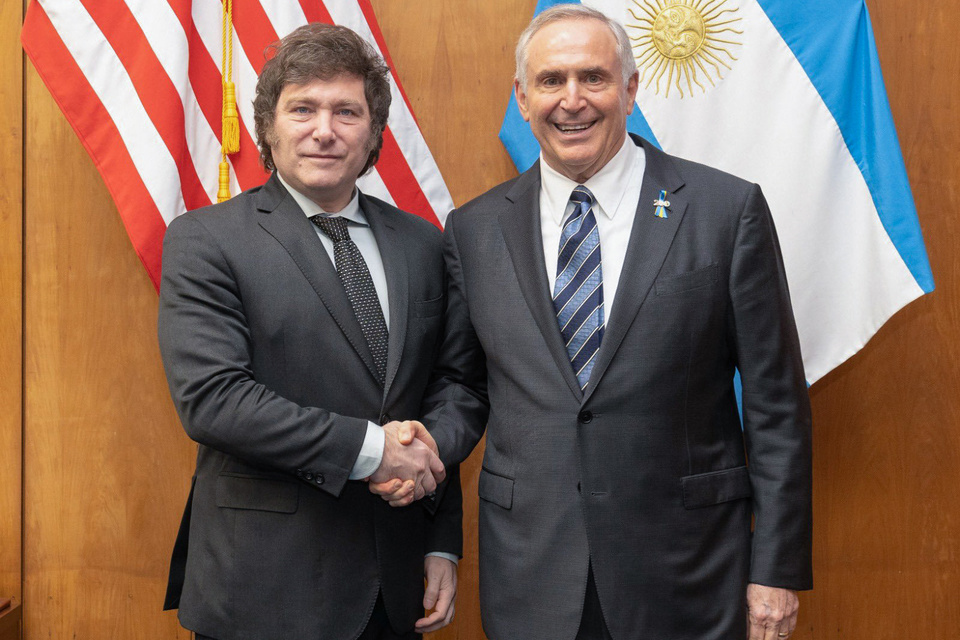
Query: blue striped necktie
<point x="578" y="293"/>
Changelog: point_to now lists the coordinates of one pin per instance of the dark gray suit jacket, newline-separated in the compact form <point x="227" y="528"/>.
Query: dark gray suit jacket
<point x="270" y="373"/>
<point x="644" y="476"/>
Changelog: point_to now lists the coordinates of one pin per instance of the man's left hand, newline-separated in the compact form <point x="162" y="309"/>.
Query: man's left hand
<point x="771" y="612"/>
<point x="440" y="594"/>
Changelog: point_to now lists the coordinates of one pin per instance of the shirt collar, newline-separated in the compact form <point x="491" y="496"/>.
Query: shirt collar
<point x="351" y="212"/>
<point x="607" y="185"/>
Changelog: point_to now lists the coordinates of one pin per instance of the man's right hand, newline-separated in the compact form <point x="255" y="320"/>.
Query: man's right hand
<point x="410" y="465"/>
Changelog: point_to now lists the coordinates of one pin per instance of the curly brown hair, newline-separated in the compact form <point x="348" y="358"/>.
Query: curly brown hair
<point x="321" y="52"/>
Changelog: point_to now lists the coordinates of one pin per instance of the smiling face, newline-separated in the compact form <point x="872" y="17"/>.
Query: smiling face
<point x="575" y="99"/>
<point x="321" y="138"/>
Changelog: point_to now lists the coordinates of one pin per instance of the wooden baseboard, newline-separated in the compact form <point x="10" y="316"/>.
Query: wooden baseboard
<point x="10" y="615"/>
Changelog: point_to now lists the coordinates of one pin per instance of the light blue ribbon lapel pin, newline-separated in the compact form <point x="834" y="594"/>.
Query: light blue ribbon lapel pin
<point x="662" y="205"/>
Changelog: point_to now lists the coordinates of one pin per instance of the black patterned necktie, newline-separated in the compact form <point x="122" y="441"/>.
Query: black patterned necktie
<point x="358" y="284"/>
<point x="578" y="292"/>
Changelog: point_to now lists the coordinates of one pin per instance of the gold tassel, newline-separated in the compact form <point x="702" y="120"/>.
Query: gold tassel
<point x="223" y="193"/>
<point x="231" y="119"/>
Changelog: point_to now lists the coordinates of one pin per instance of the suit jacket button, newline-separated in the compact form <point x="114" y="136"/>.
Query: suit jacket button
<point x="298" y="473"/>
<point x="319" y="479"/>
<point x="384" y="419"/>
<point x="308" y="476"/>
<point x="585" y="417"/>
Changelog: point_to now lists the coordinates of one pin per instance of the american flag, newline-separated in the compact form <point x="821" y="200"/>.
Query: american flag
<point x="140" y="83"/>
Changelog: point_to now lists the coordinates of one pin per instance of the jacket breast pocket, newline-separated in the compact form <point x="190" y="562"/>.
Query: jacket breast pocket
<point x="688" y="281"/>
<point x="495" y="489"/>
<point x="243" y="491"/>
<point x="715" y="487"/>
<point x="427" y="308"/>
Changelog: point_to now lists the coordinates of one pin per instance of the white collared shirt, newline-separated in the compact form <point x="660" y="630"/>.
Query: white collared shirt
<point x="616" y="188"/>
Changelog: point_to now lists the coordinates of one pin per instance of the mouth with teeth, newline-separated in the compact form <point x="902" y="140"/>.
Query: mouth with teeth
<point x="573" y="127"/>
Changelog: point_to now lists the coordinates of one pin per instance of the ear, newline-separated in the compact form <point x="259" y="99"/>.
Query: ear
<point x="633" y="84"/>
<point x="522" y="99"/>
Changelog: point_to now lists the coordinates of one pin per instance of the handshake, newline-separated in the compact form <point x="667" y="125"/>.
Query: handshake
<point x="410" y="467"/>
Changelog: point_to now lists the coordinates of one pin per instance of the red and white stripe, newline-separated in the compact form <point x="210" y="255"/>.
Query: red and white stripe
<point x="140" y="82"/>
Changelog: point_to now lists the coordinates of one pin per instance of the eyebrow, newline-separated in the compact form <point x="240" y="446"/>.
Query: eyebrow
<point x="600" y="71"/>
<point x="338" y="104"/>
<point x="353" y="104"/>
<point x="547" y="73"/>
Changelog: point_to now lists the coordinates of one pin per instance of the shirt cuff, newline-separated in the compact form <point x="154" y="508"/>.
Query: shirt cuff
<point x="371" y="453"/>
<point x="449" y="556"/>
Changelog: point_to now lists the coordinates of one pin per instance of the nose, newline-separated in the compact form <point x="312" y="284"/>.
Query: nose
<point x="572" y="98"/>
<point x="323" y="127"/>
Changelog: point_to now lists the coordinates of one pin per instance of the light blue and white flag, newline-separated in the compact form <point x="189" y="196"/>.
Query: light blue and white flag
<point x="789" y="95"/>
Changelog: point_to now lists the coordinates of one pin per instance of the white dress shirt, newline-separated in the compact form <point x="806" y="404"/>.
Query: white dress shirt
<point x="616" y="188"/>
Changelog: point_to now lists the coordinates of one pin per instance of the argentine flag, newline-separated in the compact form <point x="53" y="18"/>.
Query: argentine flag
<point x="789" y="95"/>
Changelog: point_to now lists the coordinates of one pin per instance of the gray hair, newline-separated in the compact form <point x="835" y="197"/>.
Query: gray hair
<point x="556" y="13"/>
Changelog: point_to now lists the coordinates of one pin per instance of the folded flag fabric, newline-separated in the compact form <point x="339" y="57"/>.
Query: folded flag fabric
<point x="788" y="95"/>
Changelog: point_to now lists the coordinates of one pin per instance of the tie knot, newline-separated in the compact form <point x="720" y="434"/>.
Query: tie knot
<point x="581" y="195"/>
<point x="334" y="228"/>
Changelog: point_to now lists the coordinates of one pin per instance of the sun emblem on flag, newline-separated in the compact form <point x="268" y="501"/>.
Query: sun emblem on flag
<point x="684" y="40"/>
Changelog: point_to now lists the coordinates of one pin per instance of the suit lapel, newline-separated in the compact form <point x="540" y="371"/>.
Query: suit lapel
<point x="520" y="224"/>
<point x="390" y="245"/>
<point x="286" y="222"/>
<point x="650" y="240"/>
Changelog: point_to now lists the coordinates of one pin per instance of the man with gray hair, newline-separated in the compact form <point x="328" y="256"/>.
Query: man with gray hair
<point x="297" y="321"/>
<point x="598" y="306"/>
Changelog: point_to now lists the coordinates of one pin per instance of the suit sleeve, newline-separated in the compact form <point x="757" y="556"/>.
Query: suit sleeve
<point x="445" y="532"/>
<point x="456" y="404"/>
<point x="776" y="406"/>
<point x="206" y="349"/>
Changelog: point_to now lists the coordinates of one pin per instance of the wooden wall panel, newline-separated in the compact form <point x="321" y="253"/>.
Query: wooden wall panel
<point x="107" y="464"/>
<point x="887" y="423"/>
<point x="11" y="237"/>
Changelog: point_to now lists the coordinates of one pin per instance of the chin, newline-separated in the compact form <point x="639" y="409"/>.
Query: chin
<point x="578" y="154"/>
<point x="324" y="183"/>
<point x="578" y="164"/>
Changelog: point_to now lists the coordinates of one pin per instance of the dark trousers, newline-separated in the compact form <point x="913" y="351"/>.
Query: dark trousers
<point x="378" y="628"/>
<point x="592" y="624"/>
